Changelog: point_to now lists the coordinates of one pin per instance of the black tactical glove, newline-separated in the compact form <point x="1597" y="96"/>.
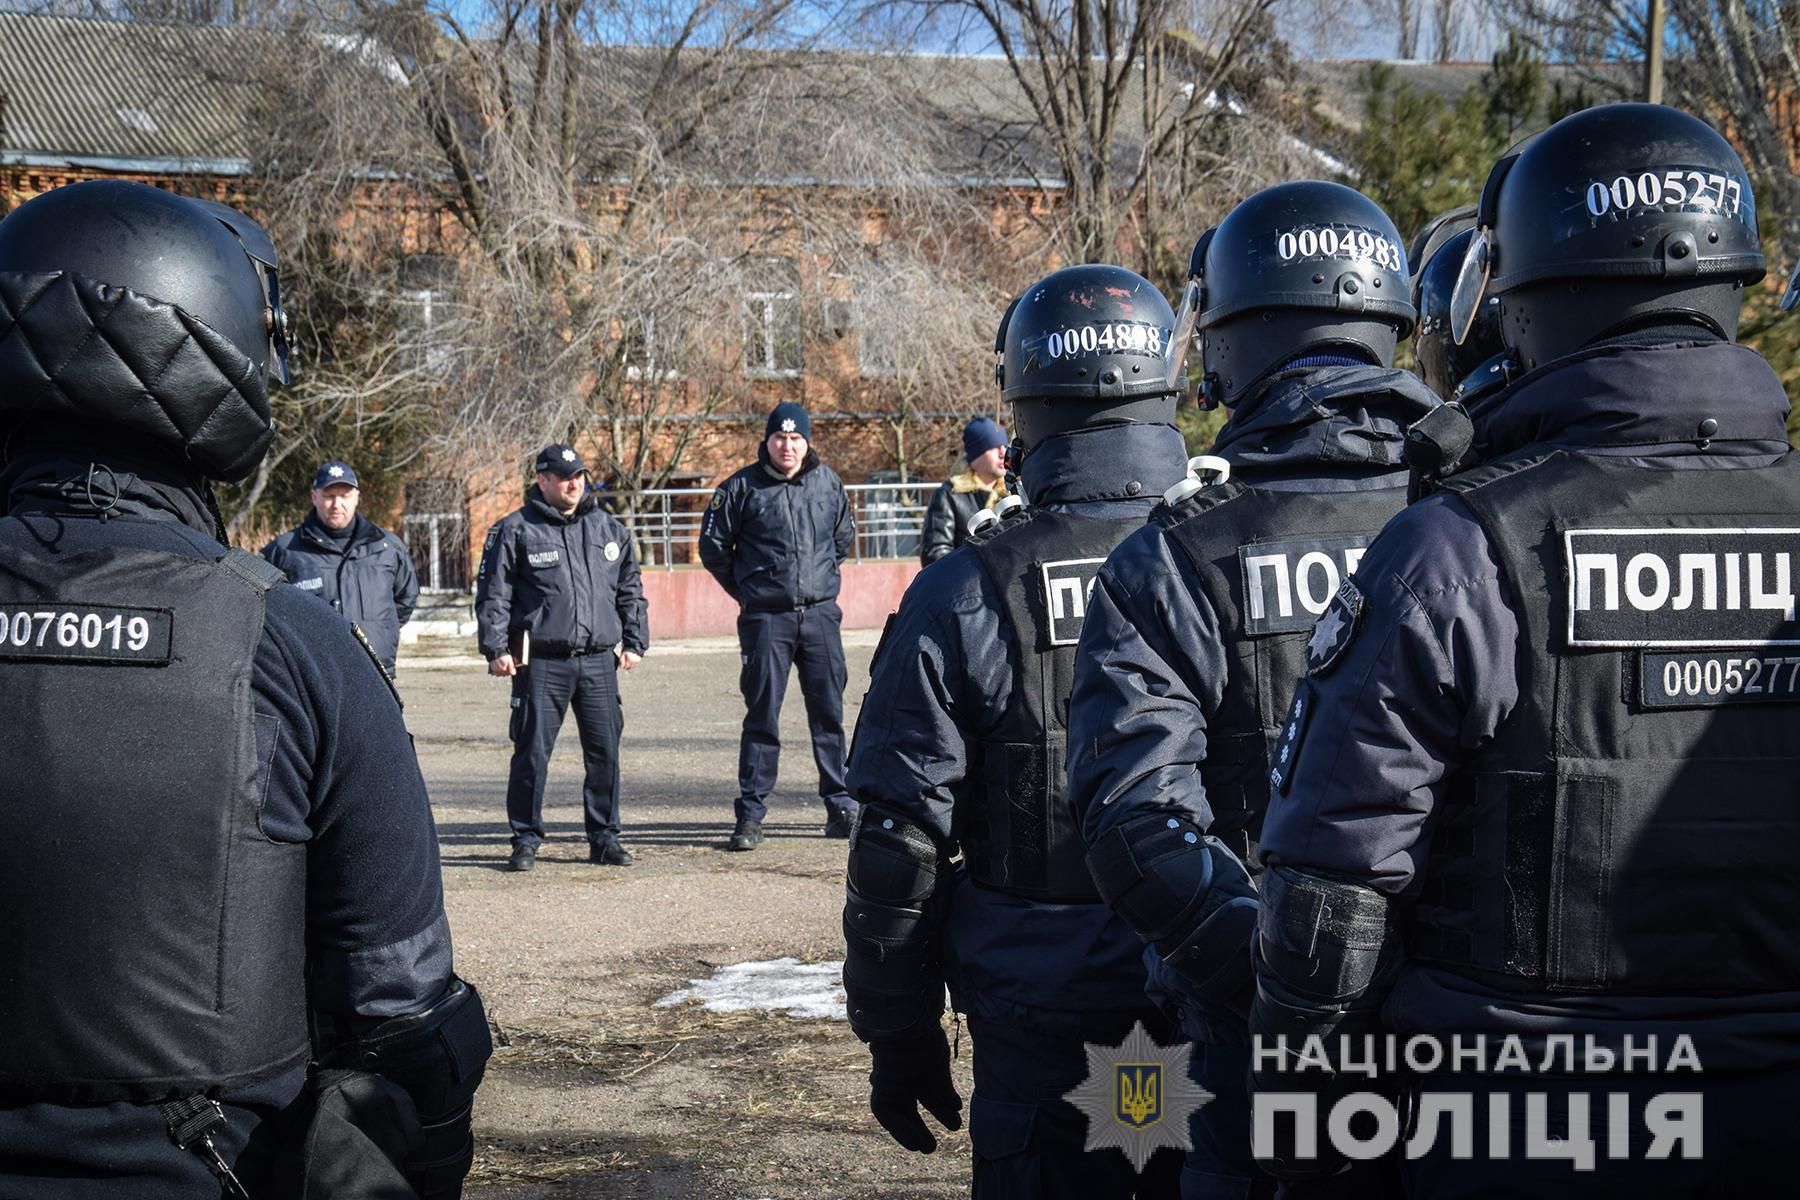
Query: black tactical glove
<point x="910" y="1070"/>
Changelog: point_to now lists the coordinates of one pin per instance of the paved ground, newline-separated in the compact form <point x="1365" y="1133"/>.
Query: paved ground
<point x="594" y="1093"/>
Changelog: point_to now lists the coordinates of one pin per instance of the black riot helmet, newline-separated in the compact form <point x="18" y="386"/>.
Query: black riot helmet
<point x="1298" y="268"/>
<point x="1616" y="217"/>
<point x="1454" y="371"/>
<point x="135" y="313"/>
<point x="1088" y="345"/>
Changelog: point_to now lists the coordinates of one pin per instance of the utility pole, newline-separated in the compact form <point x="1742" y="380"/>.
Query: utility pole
<point x="1653" y="51"/>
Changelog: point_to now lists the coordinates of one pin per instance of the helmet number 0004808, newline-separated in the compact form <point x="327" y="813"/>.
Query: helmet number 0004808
<point x="1119" y="337"/>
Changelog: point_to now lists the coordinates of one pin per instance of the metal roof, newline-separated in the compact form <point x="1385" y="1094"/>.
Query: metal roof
<point x="126" y="95"/>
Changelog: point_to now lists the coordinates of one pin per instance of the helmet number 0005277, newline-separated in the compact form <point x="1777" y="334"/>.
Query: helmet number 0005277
<point x="1325" y="241"/>
<point x="1112" y="338"/>
<point x="1658" y="187"/>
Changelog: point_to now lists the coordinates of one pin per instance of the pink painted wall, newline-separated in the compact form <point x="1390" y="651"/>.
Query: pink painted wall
<point x="685" y="602"/>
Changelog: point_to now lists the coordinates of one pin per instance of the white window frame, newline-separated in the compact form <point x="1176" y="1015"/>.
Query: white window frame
<point x="760" y="317"/>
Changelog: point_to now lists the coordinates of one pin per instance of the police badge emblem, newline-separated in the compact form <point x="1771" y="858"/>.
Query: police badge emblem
<point x="1138" y="1097"/>
<point x="612" y="552"/>
<point x="1140" y="1093"/>
<point x="1333" y="632"/>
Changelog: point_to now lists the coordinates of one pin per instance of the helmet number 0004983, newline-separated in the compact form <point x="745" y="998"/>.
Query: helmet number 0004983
<point x="1325" y="241"/>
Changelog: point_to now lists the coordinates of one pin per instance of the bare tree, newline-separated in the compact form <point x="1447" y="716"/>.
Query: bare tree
<point x="1734" y="62"/>
<point x="1112" y="88"/>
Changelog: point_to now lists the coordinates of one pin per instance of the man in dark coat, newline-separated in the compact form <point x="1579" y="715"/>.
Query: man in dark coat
<point x="774" y="537"/>
<point x="978" y="488"/>
<point x="348" y="561"/>
<point x="559" y="608"/>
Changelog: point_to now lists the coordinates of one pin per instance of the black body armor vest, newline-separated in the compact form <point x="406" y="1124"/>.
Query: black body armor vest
<point x="155" y="938"/>
<point x="1021" y="836"/>
<point x="1269" y="562"/>
<point x="1634" y="827"/>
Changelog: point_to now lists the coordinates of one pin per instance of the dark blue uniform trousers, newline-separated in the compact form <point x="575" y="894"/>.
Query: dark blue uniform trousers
<point x="1028" y="1139"/>
<point x="541" y="693"/>
<point x="769" y="643"/>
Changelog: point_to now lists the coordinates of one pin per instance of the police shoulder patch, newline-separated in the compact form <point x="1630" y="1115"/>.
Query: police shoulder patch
<point x="1331" y="636"/>
<point x="718" y="499"/>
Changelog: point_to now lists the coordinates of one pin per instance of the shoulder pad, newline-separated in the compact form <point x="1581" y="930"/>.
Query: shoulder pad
<point x="1017" y="518"/>
<point x="1491" y="472"/>
<point x="1205" y="500"/>
<point x="252" y="569"/>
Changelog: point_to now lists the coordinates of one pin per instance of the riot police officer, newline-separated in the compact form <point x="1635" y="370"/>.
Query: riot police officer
<point x="960" y="747"/>
<point x="213" y="817"/>
<point x="1536" y="788"/>
<point x="1196" y="631"/>
<point x="1468" y="373"/>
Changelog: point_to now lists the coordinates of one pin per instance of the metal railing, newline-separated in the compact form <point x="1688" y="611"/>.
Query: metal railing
<point x="889" y="519"/>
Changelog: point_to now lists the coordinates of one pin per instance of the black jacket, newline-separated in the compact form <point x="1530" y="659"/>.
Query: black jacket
<point x="1428" y="675"/>
<point x="369" y="578"/>
<point x="775" y="543"/>
<point x="571" y="581"/>
<point x="337" y="777"/>
<point x="952" y="506"/>
<point x="945" y="676"/>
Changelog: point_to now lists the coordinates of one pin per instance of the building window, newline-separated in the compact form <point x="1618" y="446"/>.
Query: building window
<point x="772" y="322"/>
<point x="877" y="347"/>
<point x="426" y="311"/>
<point x="646" y="359"/>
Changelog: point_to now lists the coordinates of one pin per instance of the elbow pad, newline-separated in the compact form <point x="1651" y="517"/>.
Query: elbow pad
<point x="437" y="1057"/>
<point x="893" y="905"/>
<point x="1190" y="897"/>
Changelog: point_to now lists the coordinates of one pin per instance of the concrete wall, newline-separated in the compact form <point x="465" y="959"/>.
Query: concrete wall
<point x="686" y="602"/>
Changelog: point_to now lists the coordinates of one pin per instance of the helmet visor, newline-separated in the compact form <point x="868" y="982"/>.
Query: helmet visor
<point x="1193" y="299"/>
<point x="1791" y="295"/>
<point x="1471" y="285"/>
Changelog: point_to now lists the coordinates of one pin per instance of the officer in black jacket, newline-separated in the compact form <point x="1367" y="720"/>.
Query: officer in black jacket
<point x="978" y="489"/>
<point x="349" y="562"/>
<point x="774" y="537"/>
<point x="960" y="748"/>
<point x="213" y="816"/>
<point x="1535" y="797"/>
<point x="1196" y="630"/>
<point x="557" y="593"/>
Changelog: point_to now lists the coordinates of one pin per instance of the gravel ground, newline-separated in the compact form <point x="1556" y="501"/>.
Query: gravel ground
<point x="593" y="1092"/>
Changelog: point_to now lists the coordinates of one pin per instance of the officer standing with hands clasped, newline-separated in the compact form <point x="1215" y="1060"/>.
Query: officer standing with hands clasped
<point x="557" y="593"/>
<point x="1197" y="627"/>
<point x="349" y="562"/>
<point x="226" y="825"/>
<point x="1535" y="797"/>
<point x="775" y="535"/>
<point x="978" y="489"/>
<point x="960" y="748"/>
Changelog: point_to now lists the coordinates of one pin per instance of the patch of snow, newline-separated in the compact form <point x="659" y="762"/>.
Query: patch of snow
<point x="786" y="985"/>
